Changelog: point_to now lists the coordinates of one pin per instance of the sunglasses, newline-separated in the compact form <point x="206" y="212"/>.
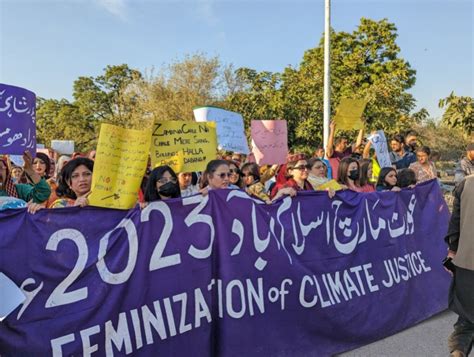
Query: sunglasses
<point x="301" y="168"/>
<point x="165" y="180"/>
<point x="247" y="175"/>
<point x="234" y="171"/>
<point x="223" y="175"/>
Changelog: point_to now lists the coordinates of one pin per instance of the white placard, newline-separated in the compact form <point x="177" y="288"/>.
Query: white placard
<point x="10" y="296"/>
<point x="230" y="128"/>
<point x="379" y="142"/>
<point x="63" y="147"/>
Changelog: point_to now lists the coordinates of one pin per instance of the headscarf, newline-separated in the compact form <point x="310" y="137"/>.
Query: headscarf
<point x="63" y="160"/>
<point x="9" y="185"/>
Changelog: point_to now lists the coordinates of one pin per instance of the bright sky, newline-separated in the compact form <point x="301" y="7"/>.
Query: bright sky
<point x="45" y="44"/>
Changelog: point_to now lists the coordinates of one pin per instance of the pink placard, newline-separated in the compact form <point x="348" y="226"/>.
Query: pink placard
<point x="269" y="141"/>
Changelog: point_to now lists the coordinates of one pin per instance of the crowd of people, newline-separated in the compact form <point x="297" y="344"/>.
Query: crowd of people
<point x="53" y="181"/>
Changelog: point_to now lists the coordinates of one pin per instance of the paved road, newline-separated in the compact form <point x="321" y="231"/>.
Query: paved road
<point x="428" y="338"/>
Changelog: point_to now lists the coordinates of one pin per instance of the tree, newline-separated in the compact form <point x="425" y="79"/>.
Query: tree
<point x="364" y="64"/>
<point x="182" y="85"/>
<point x="459" y="112"/>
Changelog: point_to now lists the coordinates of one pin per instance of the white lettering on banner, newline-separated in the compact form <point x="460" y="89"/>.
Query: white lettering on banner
<point x="59" y="296"/>
<point x="340" y="232"/>
<point x="157" y="260"/>
<point x="122" y="277"/>
<point x="237" y="299"/>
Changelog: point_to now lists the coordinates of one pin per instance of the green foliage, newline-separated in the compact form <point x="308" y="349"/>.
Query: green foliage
<point x="364" y="64"/>
<point x="459" y="112"/>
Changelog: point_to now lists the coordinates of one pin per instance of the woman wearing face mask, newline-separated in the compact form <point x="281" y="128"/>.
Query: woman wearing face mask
<point x="162" y="184"/>
<point x="388" y="180"/>
<point x="349" y="173"/>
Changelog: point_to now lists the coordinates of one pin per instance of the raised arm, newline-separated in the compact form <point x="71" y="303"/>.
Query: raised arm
<point x="330" y="145"/>
<point x="358" y="142"/>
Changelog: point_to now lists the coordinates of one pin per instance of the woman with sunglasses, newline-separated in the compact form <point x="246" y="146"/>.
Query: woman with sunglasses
<point x="162" y="184"/>
<point x="296" y="178"/>
<point x="387" y="180"/>
<point x="235" y="181"/>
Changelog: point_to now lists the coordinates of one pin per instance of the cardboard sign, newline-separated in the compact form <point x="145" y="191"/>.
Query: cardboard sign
<point x="17" y="120"/>
<point x="184" y="146"/>
<point x="379" y="143"/>
<point x="269" y="141"/>
<point x="120" y="162"/>
<point x="230" y="128"/>
<point x="63" y="147"/>
<point x="349" y="114"/>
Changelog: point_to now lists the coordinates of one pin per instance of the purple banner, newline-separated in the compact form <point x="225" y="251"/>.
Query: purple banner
<point x="17" y="120"/>
<point x="225" y="275"/>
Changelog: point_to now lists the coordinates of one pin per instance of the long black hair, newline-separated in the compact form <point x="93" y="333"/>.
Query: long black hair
<point x="63" y="189"/>
<point x="151" y="193"/>
<point x="383" y="173"/>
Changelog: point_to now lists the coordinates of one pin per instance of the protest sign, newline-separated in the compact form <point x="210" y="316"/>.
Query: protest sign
<point x="119" y="166"/>
<point x="331" y="184"/>
<point x="379" y="142"/>
<point x="230" y="128"/>
<point x="184" y="146"/>
<point x="63" y="147"/>
<point x="269" y="141"/>
<point x="17" y="120"/>
<point x="17" y="160"/>
<point x="225" y="275"/>
<point x="349" y="114"/>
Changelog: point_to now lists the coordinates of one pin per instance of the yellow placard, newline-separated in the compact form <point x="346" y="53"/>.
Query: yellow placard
<point x="184" y="146"/>
<point x="349" y="114"/>
<point x="120" y="163"/>
<point x="330" y="184"/>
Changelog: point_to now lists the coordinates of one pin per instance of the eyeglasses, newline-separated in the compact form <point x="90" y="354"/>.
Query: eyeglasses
<point x="164" y="180"/>
<point x="301" y="168"/>
<point x="318" y="167"/>
<point x="234" y="171"/>
<point x="223" y="175"/>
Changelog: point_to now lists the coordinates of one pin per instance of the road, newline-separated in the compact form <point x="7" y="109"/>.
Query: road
<point x="428" y="338"/>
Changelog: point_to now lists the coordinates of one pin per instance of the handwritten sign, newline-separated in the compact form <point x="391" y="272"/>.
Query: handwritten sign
<point x="17" y="120"/>
<point x="379" y="142"/>
<point x="63" y="147"/>
<point x="230" y="128"/>
<point x="184" y="146"/>
<point x="349" y="114"/>
<point x="120" y="163"/>
<point x="269" y="141"/>
<point x="332" y="184"/>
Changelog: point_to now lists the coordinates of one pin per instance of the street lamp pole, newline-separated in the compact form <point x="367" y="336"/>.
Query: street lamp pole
<point x="327" y="71"/>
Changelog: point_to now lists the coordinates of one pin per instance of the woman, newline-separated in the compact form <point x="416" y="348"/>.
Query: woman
<point x="186" y="186"/>
<point x="424" y="169"/>
<point x="387" y="180"/>
<point x="365" y="175"/>
<point x="348" y="174"/>
<point x="251" y="180"/>
<point x="74" y="183"/>
<point x="42" y="165"/>
<point x="296" y="178"/>
<point x="317" y="173"/>
<point x="37" y="192"/>
<point x="235" y="181"/>
<point x="406" y="178"/>
<point x="162" y="184"/>
<point x="216" y="176"/>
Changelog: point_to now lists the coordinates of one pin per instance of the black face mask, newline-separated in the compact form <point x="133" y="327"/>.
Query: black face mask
<point x="169" y="189"/>
<point x="354" y="175"/>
